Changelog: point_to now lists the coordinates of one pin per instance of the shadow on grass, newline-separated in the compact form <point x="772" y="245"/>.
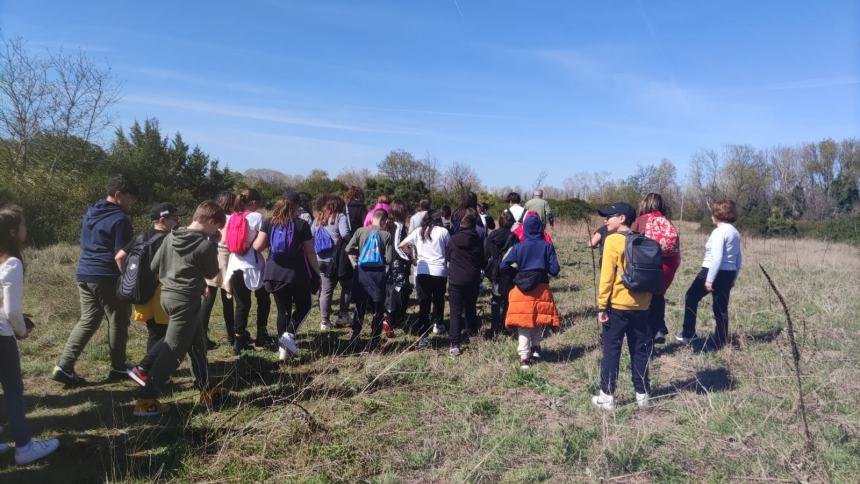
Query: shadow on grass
<point x="707" y="344"/>
<point x="705" y="381"/>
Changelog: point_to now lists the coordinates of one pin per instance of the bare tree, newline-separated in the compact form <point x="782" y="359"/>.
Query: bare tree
<point x="24" y="96"/>
<point x="460" y="178"/>
<point x="356" y="177"/>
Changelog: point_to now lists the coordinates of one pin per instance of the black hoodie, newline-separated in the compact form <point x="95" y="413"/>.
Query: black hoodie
<point x="105" y="230"/>
<point x="184" y="260"/>
<point x="465" y="254"/>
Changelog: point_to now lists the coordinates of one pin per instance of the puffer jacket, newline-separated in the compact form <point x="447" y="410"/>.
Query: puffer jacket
<point x="532" y="309"/>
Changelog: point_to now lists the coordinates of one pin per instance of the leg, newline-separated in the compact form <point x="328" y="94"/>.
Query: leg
<point x="303" y="302"/>
<point x="154" y="333"/>
<point x="537" y="337"/>
<point x="207" y="305"/>
<point x="242" y="299"/>
<point x="358" y="318"/>
<point x="455" y="302"/>
<point x="326" y="293"/>
<point x="471" y="310"/>
<point x="284" y="304"/>
<point x="345" y="296"/>
<point x="657" y="314"/>
<point x="181" y="330"/>
<point x="691" y="302"/>
<point x="613" y="336"/>
<point x="525" y="343"/>
<point x="378" y="316"/>
<point x="91" y="318"/>
<point x="439" y="286"/>
<point x="640" y="343"/>
<point x="197" y="356"/>
<point x="424" y="293"/>
<point x="722" y="287"/>
<point x="119" y="317"/>
<point x="227" y="306"/>
<point x="264" y="306"/>
<point x="13" y="390"/>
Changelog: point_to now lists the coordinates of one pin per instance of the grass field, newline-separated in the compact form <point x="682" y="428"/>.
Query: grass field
<point x="401" y="415"/>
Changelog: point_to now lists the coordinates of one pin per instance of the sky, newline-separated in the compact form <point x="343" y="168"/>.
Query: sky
<point x="512" y="88"/>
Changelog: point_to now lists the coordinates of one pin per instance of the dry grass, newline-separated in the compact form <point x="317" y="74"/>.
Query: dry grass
<point x="399" y="415"/>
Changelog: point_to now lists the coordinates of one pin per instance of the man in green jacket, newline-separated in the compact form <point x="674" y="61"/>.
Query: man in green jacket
<point x="541" y="206"/>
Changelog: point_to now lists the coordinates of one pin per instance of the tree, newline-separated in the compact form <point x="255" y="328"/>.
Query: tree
<point x="458" y="179"/>
<point x="398" y="165"/>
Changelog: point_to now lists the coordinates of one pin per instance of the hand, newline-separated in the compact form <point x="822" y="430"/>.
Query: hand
<point x="709" y="287"/>
<point x="602" y="317"/>
<point x="206" y="293"/>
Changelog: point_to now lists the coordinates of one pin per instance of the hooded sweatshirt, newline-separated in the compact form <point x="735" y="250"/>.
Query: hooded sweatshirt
<point x="368" y="219"/>
<point x="534" y="256"/>
<point x="183" y="262"/>
<point x="465" y="252"/>
<point x="356" y="210"/>
<point x="105" y="230"/>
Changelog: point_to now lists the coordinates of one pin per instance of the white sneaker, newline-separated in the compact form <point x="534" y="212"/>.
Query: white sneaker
<point x="35" y="450"/>
<point x="288" y="341"/>
<point x="642" y="400"/>
<point x="423" y="342"/>
<point x="325" y="326"/>
<point x="604" y="401"/>
<point x="282" y="353"/>
<point x="438" y="329"/>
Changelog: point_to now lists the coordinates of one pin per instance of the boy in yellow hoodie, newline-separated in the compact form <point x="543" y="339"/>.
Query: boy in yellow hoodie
<point x="621" y="313"/>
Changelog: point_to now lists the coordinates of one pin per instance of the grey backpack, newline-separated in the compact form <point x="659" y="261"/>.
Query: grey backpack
<point x="644" y="271"/>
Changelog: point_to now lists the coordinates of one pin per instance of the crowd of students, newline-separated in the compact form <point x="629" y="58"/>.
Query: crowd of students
<point x="169" y="276"/>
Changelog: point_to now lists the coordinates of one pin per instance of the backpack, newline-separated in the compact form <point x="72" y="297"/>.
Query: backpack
<point x="493" y="268"/>
<point x="284" y="246"/>
<point x="323" y="242"/>
<point x="644" y="271"/>
<point x="137" y="282"/>
<point x="237" y="233"/>
<point x="661" y="230"/>
<point x="371" y="253"/>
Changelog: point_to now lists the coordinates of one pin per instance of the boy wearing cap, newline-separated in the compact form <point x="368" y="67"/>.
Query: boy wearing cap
<point x="621" y="313"/>
<point x="165" y="217"/>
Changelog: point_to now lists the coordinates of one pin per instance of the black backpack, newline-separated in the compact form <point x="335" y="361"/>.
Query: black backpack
<point x="644" y="271"/>
<point x="137" y="283"/>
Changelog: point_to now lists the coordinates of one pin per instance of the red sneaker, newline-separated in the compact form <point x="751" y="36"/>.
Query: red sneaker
<point x="386" y="328"/>
<point x="137" y="375"/>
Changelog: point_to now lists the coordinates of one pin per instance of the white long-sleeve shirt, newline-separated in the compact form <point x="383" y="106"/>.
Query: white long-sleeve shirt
<point x="12" y="299"/>
<point x="722" y="251"/>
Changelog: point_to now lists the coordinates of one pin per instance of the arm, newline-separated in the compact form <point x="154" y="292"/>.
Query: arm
<point x="550" y="218"/>
<point x="595" y="239"/>
<point x="261" y="241"/>
<point x="311" y="255"/>
<point x="343" y="225"/>
<point x="611" y="255"/>
<point x="718" y="243"/>
<point x="209" y="260"/>
<point x="120" y="259"/>
<point x="511" y="258"/>
<point x="352" y="246"/>
<point x="13" y="297"/>
<point x="123" y="233"/>
<point x="155" y="264"/>
<point x="553" y="267"/>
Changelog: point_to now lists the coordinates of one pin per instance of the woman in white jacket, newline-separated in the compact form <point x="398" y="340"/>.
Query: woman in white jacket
<point x="13" y="325"/>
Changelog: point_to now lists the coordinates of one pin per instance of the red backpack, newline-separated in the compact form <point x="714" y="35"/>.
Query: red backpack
<point x="237" y="233"/>
<point x="659" y="228"/>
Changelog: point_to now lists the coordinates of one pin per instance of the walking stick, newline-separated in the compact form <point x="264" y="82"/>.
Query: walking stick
<point x="593" y="276"/>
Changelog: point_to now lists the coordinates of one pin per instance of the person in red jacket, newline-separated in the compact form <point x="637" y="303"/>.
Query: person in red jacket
<point x="653" y="223"/>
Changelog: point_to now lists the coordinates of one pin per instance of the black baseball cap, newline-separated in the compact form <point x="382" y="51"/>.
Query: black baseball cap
<point x="619" y="208"/>
<point x="163" y="210"/>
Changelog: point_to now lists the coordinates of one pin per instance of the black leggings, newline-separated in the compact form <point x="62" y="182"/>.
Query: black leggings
<point x="430" y="291"/>
<point x="378" y="308"/>
<point x="463" y="301"/>
<point x="287" y="320"/>
<point x="226" y="303"/>
<point x="243" y="306"/>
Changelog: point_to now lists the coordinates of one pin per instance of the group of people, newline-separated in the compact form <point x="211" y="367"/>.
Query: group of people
<point x="169" y="278"/>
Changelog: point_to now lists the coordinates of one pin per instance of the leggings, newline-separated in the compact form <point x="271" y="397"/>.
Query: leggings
<point x="226" y="303"/>
<point x="243" y="306"/>
<point x="287" y="320"/>
<point x="463" y="301"/>
<point x="13" y="390"/>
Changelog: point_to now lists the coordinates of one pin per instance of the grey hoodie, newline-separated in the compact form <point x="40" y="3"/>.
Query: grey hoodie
<point x="184" y="260"/>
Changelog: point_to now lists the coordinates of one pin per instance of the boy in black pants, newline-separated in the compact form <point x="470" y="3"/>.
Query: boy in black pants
<point x="369" y="281"/>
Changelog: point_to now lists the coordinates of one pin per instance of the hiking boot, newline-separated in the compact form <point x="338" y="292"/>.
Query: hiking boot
<point x="288" y="342"/>
<point x="680" y="337"/>
<point x="213" y="397"/>
<point x="69" y="378"/>
<point x="604" y="401"/>
<point x="386" y="328"/>
<point x="137" y="374"/>
<point x="423" y="342"/>
<point x="35" y="450"/>
<point x="324" y="326"/>
<point x="642" y="400"/>
<point x="660" y="338"/>
<point x="149" y="407"/>
<point x="524" y="364"/>
<point x="454" y="351"/>
<point x="438" y="329"/>
<point x="535" y="352"/>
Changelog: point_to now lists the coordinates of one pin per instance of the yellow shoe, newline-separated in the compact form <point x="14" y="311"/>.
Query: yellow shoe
<point x="213" y="396"/>
<point x="149" y="407"/>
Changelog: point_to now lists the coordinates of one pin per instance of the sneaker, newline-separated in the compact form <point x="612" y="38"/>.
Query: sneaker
<point x="149" y="407"/>
<point x="386" y="328"/>
<point x="660" y="338"/>
<point x="642" y="400"/>
<point x="115" y="374"/>
<point x="604" y="401"/>
<point x="423" y="342"/>
<point x="35" y="450"/>
<point x="343" y="320"/>
<point x="454" y="351"/>
<point x="438" y="329"/>
<point x="212" y="397"/>
<point x="325" y="326"/>
<point x="685" y="339"/>
<point x="264" y="341"/>
<point x="137" y="374"/>
<point x="69" y="378"/>
<point x="524" y="364"/>
<point x="535" y="352"/>
<point x="240" y="344"/>
<point x="288" y="342"/>
<point x="282" y="354"/>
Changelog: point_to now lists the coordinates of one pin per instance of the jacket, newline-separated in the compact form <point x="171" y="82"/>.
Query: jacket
<point x="533" y="254"/>
<point x="183" y="262"/>
<point x="532" y="309"/>
<point x="611" y="292"/>
<point x="542" y="208"/>
<point x="105" y="230"/>
<point x="465" y="254"/>
<point x="368" y="219"/>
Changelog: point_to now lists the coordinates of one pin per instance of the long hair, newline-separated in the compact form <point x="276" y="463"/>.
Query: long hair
<point x="330" y="207"/>
<point x="430" y="220"/>
<point x="653" y="202"/>
<point x="11" y="218"/>
<point x="354" y="193"/>
<point x="245" y="197"/>
<point x="284" y="211"/>
<point x="226" y="200"/>
<point x="399" y="212"/>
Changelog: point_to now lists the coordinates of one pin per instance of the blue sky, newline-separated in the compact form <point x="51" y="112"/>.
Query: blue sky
<point x="512" y="88"/>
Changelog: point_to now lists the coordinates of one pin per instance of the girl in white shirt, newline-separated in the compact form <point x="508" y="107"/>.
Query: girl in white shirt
<point x="720" y="268"/>
<point x="427" y="244"/>
<point x="13" y="325"/>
